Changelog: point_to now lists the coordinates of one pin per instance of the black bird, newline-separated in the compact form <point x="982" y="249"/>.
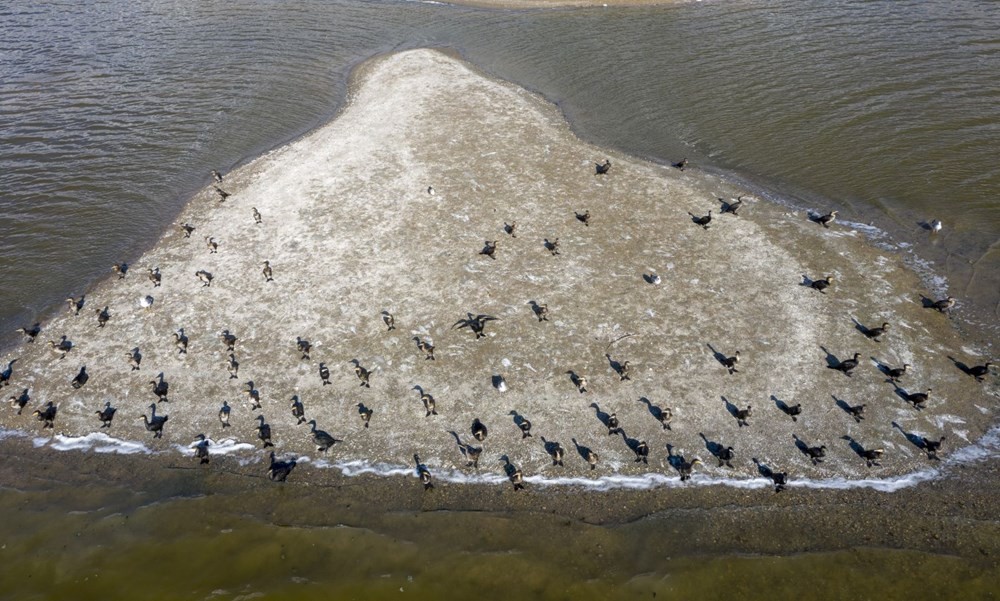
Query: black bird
<point x="584" y="218"/>
<point x="792" y="410"/>
<point x="479" y="430"/>
<point x="944" y="304"/>
<point x="816" y="454"/>
<point x="847" y="365"/>
<point x="303" y="347"/>
<point x="522" y="423"/>
<point x="29" y="333"/>
<point x="490" y="249"/>
<point x="731" y="362"/>
<point x="681" y="164"/>
<point x="187" y="228"/>
<point x="423" y="473"/>
<point x="181" y="342"/>
<point x="875" y="333"/>
<point x="897" y="372"/>
<point x="613" y="424"/>
<point x="743" y="416"/>
<point x="106" y="415"/>
<point x="257" y="216"/>
<point x="579" y="381"/>
<point x="733" y="206"/>
<point x="856" y="411"/>
<point x="121" y="269"/>
<point x="702" y="221"/>
<point x="363" y="374"/>
<point x="365" y="413"/>
<point x="428" y="401"/>
<point x="821" y="285"/>
<point x="826" y="220"/>
<point x="686" y="468"/>
<point x="476" y="323"/>
<point x="233" y="366"/>
<point x="205" y="277"/>
<point x="552" y="246"/>
<point x="298" y="410"/>
<point x="264" y="432"/>
<point x="201" y="449"/>
<point x="541" y="311"/>
<point x="979" y="371"/>
<point x="155" y="277"/>
<point x="602" y="169"/>
<point x="931" y="447"/>
<point x="224" y="414"/>
<point x="555" y="450"/>
<point x="253" y="394"/>
<point x="62" y="347"/>
<point x="918" y="399"/>
<point x="75" y="304"/>
<point x="322" y="439"/>
<point x="509" y="228"/>
<point x="324" y="373"/>
<point x="425" y="347"/>
<point x="7" y="373"/>
<point x="47" y="415"/>
<point x="102" y="317"/>
<point x="160" y="388"/>
<point x="872" y="456"/>
<point x="155" y="422"/>
<point x="641" y="450"/>
<point x="278" y="471"/>
<point x="267" y="271"/>
<point x="20" y="401"/>
<point x="81" y="378"/>
<point x="213" y="246"/>
<point x="217" y="176"/>
<point x="513" y="473"/>
<point x="389" y="320"/>
<point x="726" y="456"/>
<point x="229" y="339"/>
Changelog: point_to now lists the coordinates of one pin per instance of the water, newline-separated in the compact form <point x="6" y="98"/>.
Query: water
<point x="113" y="112"/>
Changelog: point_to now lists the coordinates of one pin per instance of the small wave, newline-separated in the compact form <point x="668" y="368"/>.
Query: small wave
<point x="96" y="441"/>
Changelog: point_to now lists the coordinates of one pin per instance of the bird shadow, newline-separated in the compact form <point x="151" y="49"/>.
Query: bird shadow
<point x="781" y="405"/>
<point x="712" y="446"/>
<point x="463" y="448"/>
<point x="848" y="408"/>
<point x="801" y="445"/>
<point x="832" y="361"/>
<point x="615" y="365"/>
<point x="901" y="393"/>
<point x="656" y="412"/>
<point x="675" y="460"/>
<point x="915" y="440"/>
<point x="631" y="443"/>
<point x="807" y="281"/>
<point x="731" y="408"/>
<point x="582" y="217"/>
<point x="861" y="327"/>
<point x="964" y="367"/>
<point x="885" y="368"/>
<point x="927" y="303"/>
<point x="601" y="415"/>
<point x="855" y="446"/>
<point x="583" y="451"/>
<point x="718" y="356"/>
<point x="518" y="420"/>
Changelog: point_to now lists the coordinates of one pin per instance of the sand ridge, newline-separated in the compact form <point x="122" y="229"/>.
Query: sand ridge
<point x="350" y="229"/>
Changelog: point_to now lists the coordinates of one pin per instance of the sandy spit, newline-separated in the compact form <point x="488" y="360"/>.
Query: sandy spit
<point x="389" y="207"/>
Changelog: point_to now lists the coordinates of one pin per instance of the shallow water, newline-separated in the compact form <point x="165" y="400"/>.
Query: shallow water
<point x="113" y="112"/>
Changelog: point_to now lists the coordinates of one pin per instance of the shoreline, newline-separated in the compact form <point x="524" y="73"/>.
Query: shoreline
<point x="554" y="391"/>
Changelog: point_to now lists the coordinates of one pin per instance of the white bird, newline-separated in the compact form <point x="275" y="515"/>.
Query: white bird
<point x="430" y="190"/>
<point x="655" y="279"/>
<point x="935" y="226"/>
<point x="146" y="302"/>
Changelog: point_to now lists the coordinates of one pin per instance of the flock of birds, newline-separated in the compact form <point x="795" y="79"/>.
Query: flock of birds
<point x="280" y="468"/>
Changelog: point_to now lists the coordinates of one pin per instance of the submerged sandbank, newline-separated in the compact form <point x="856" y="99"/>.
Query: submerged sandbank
<point x="350" y="228"/>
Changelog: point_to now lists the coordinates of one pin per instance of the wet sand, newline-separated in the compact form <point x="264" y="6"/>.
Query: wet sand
<point x="350" y="229"/>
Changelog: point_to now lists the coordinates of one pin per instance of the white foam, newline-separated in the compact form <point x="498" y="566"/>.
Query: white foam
<point x="5" y="434"/>
<point x="226" y="446"/>
<point x="98" y="442"/>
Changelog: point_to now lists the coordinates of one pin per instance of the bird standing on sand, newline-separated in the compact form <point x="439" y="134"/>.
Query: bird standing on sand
<point x="303" y="346"/>
<point x="154" y="276"/>
<point x="213" y="246"/>
<point x="425" y="347"/>
<point x="223" y="195"/>
<point x="826" y="220"/>
<point x="181" y="342"/>
<point x="514" y="474"/>
<point x="389" y="320"/>
<point x="62" y="346"/>
<point x="979" y="371"/>
<point x="821" y="285"/>
<point x="510" y="228"/>
<point x="584" y="218"/>
<point x="847" y="365"/>
<point x="323" y="440"/>
<point x="7" y="373"/>
<point x="523" y="424"/>
<point x="875" y="333"/>
<point x="256" y="216"/>
<point x="365" y="413"/>
<point x="187" y="228"/>
<point x="30" y="332"/>
<point x="490" y="249"/>
<point x="602" y="169"/>
<point x="19" y="401"/>
<point x="106" y="415"/>
<point x="423" y="473"/>
<point x="233" y="366"/>
<point x="201" y="449"/>
<point x="267" y="272"/>
<point x="75" y="304"/>
<point x="224" y="414"/>
<point x="686" y="468"/>
<point x="47" y="415"/>
<point x="743" y="416"/>
<point x="205" y="277"/>
<point x="479" y="430"/>
<point x="264" y="432"/>
<point x="429" y="404"/>
<point x="253" y="395"/>
<point x="702" y="221"/>
<point x="161" y="388"/>
<point x="857" y="412"/>
<point x="931" y="447"/>
<point x="934" y="226"/>
<point x="917" y="399"/>
<point x="324" y="373"/>
<point x="363" y="374"/>
<point x="120" y="269"/>
<point x="81" y="378"/>
<point x="134" y="358"/>
<point x="229" y="339"/>
<point x="298" y="410"/>
<point x="155" y="422"/>
<point x="792" y="411"/>
<point x="895" y="373"/>
<point x="944" y="304"/>
<point x="681" y="164"/>
<point x="613" y="424"/>
<point x="733" y="206"/>
<point x="103" y="316"/>
<point x="731" y="362"/>
<point x="552" y="246"/>
<point x="278" y="471"/>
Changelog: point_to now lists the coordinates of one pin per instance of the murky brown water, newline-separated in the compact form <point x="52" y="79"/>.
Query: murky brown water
<point x="113" y="112"/>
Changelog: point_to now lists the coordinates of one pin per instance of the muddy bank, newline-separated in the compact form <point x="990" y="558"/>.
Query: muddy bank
<point x="390" y="207"/>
